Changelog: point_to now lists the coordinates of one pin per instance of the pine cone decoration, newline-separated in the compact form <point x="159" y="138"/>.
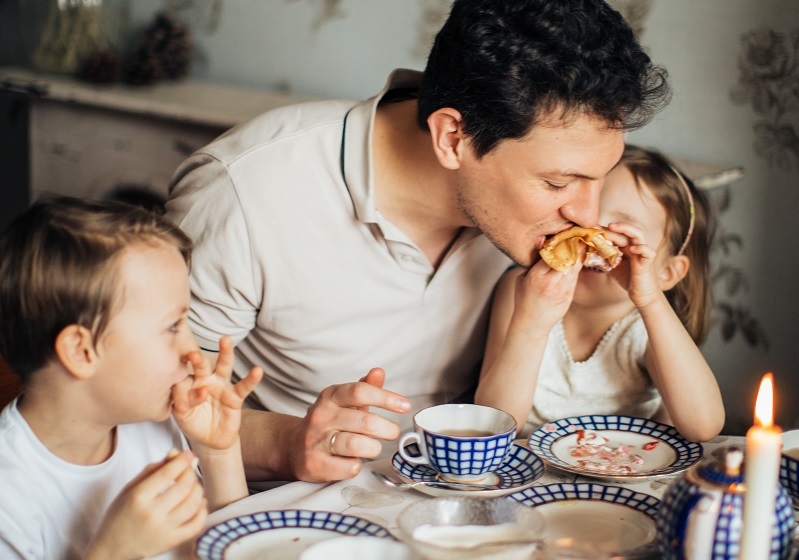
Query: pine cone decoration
<point x="102" y="67"/>
<point x="165" y="51"/>
<point x="143" y="67"/>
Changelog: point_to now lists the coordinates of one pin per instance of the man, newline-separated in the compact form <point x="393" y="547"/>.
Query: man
<point x="336" y="236"/>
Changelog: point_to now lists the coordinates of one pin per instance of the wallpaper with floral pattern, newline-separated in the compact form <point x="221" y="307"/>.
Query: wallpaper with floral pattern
<point x="769" y="80"/>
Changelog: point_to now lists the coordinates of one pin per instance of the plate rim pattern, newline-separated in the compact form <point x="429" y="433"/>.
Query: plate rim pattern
<point x="542" y="439"/>
<point x="518" y="453"/>
<point x="214" y="541"/>
<point x="589" y="491"/>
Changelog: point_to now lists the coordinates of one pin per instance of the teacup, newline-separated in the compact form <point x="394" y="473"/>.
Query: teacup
<point x="462" y="442"/>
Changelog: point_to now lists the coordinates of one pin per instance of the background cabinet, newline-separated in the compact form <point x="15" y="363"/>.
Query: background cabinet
<point x="63" y="136"/>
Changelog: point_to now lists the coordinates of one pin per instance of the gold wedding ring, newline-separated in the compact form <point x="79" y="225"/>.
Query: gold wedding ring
<point x="333" y="442"/>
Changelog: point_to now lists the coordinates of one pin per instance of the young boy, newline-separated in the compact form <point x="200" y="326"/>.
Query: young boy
<point x="93" y="304"/>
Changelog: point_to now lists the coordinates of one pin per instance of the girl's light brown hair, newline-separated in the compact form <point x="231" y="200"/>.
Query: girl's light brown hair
<point x="691" y="298"/>
<point x="59" y="267"/>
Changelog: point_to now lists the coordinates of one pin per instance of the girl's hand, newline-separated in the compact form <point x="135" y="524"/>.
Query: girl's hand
<point x="542" y="297"/>
<point x="207" y="405"/>
<point x="159" y="509"/>
<point x="637" y="273"/>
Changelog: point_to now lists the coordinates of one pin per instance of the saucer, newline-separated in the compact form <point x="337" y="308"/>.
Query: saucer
<point x="650" y="449"/>
<point x="520" y="469"/>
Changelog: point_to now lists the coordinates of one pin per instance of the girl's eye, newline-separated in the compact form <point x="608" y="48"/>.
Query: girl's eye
<point x="555" y="185"/>
<point x="176" y="326"/>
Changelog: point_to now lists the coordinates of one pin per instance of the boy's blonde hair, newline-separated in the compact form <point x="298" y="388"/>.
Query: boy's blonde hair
<point x="58" y="267"/>
<point x="691" y="298"/>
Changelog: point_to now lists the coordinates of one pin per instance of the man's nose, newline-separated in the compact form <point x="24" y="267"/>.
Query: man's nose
<point x="583" y="209"/>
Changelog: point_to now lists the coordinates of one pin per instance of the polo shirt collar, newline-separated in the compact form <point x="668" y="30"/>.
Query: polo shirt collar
<point x="356" y="151"/>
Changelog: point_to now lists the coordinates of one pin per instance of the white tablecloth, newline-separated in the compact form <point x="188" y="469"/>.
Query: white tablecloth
<point x="367" y="497"/>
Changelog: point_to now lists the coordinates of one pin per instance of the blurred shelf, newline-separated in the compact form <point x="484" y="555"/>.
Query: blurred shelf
<point x="187" y="101"/>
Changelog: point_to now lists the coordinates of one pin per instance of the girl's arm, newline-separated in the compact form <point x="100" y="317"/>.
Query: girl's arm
<point x="527" y="304"/>
<point x="676" y="365"/>
<point x="681" y="374"/>
<point x="207" y="407"/>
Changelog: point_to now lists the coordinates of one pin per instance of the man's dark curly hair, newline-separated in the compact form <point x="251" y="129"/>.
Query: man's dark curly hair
<point x="507" y="64"/>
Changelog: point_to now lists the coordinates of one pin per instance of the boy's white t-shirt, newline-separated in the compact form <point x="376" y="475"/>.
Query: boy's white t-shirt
<point x="49" y="508"/>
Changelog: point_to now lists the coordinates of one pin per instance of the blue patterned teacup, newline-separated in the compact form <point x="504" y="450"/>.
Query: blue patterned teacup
<point x="701" y="513"/>
<point x="789" y="464"/>
<point x="460" y="441"/>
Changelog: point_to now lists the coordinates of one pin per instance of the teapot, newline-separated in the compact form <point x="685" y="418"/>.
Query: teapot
<point x="701" y="513"/>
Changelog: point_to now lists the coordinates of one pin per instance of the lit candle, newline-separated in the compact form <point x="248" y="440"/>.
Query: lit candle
<point x="763" y="447"/>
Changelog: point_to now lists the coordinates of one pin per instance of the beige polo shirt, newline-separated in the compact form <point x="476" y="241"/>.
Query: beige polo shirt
<point x="295" y="264"/>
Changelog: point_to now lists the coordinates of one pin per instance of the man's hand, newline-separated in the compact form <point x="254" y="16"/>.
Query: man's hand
<point x="339" y="430"/>
<point x="330" y="441"/>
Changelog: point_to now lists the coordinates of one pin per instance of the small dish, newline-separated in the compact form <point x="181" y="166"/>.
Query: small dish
<point x="285" y="533"/>
<point x="520" y="469"/>
<point x="789" y="464"/>
<point x="457" y="528"/>
<point x="634" y="449"/>
<point x="613" y="519"/>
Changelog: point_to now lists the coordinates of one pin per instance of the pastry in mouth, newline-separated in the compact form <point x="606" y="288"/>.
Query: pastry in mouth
<point x="562" y="250"/>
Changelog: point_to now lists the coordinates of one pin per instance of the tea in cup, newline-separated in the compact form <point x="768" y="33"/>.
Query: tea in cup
<point x="462" y="442"/>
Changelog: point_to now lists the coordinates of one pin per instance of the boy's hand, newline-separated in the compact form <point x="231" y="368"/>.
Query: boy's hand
<point x="207" y="405"/>
<point x="159" y="509"/>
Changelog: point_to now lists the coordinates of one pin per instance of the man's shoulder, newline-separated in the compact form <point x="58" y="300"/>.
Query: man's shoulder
<point x="278" y="125"/>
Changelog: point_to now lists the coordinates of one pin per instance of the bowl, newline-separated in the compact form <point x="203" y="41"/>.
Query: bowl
<point x="465" y="527"/>
<point x="358" y="547"/>
<point x="789" y="464"/>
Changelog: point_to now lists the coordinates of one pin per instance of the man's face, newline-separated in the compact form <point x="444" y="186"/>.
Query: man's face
<point x="525" y="190"/>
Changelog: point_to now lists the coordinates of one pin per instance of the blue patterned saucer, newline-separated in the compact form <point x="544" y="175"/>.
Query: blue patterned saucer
<point x="284" y="533"/>
<point x="614" y="519"/>
<point x="519" y="469"/>
<point x="655" y="449"/>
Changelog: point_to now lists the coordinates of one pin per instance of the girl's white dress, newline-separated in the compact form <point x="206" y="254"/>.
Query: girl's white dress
<point x="613" y="380"/>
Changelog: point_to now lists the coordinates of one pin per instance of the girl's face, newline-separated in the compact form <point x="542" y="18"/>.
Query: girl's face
<point x="622" y="200"/>
<point x="142" y="354"/>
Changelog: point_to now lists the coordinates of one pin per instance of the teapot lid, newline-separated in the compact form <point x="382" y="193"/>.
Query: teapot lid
<point x="725" y="474"/>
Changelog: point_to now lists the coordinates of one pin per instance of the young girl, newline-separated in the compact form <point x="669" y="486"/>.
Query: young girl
<point x="93" y="300"/>
<point x="621" y="342"/>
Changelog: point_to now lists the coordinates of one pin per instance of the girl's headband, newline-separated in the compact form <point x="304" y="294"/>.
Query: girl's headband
<point x="692" y="210"/>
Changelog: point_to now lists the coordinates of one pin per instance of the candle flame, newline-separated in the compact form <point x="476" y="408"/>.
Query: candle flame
<point x="764" y="406"/>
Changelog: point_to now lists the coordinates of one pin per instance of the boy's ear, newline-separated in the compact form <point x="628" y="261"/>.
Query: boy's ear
<point x="447" y="136"/>
<point x="74" y="347"/>
<point x="673" y="270"/>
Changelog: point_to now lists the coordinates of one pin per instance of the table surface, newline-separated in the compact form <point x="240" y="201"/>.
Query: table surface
<point x="366" y="497"/>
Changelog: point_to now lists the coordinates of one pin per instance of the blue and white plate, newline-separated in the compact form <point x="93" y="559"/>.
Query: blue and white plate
<point x="612" y="519"/>
<point x="636" y="448"/>
<point x="518" y="470"/>
<point x="283" y="533"/>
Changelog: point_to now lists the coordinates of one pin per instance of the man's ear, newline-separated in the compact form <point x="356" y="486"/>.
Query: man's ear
<point x="447" y="137"/>
<point x="673" y="270"/>
<point x="74" y="347"/>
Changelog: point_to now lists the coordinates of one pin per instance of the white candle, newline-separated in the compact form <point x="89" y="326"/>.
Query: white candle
<point x="763" y="446"/>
